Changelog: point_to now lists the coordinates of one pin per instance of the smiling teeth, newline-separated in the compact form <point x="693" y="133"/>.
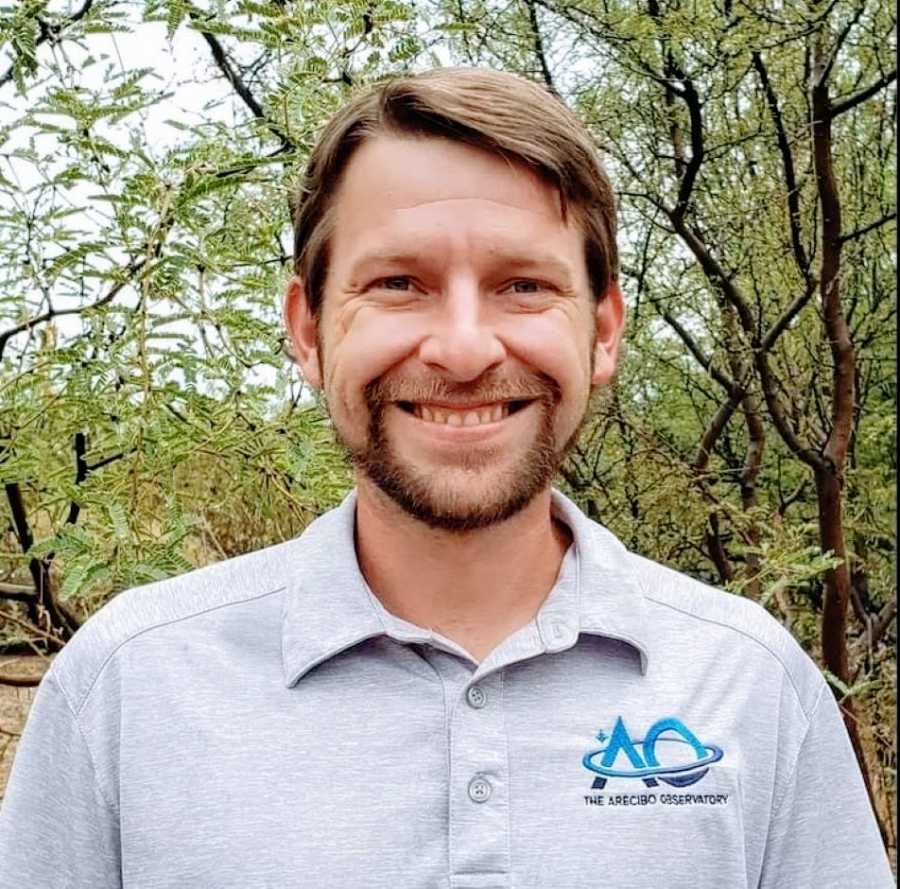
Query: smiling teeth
<point x="491" y="414"/>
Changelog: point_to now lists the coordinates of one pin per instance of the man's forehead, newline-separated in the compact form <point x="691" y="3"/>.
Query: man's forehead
<point x="406" y="173"/>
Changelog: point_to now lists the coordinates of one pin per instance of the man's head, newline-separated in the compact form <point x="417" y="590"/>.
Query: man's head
<point x="455" y="246"/>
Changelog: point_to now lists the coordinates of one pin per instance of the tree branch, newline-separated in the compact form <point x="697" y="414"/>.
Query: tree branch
<point x="55" y="640"/>
<point x="539" y="47"/>
<point x="879" y="626"/>
<point x="17" y="592"/>
<point x="43" y="601"/>
<point x="859" y="232"/>
<point x="787" y="316"/>
<point x="825" y="64"/>
<point x="224" y="65"/>
<point x="49" y="32"/>
<point x="717" y="552"/>
<point x="785" y="503"/>
<point x="857" y="98"/>
<point x="221" y="59"/>
<point x="787" y="162"/>
<point x="692" y="168"/>
<point x="798" y="448"/>
<point x="20" y="681"/>
<point x="6" y="335"/>
<point x="605" y="36"/>
<point x="714" y="430"/>
<point x="842" y="351"/>
<point x="81" y="471"/>
<point x="674" y="72"/>
<point x="15" y="588"/>
<point x="715" y="274"/>
<point x="702" y="359"/>
<point x="105" y="461"/>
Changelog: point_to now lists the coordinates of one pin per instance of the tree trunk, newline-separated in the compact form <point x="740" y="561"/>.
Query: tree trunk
<point x="828" y="468"/>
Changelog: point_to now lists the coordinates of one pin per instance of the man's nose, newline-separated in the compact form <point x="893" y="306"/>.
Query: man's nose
<point x="461" y="341"/>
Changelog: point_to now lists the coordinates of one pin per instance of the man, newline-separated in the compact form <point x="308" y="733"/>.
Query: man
<point x="454" y="679"/>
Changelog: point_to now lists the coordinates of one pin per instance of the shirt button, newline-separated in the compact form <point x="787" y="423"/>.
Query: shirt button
<point x="480" y="790"/>
<point x="476" y="697"/>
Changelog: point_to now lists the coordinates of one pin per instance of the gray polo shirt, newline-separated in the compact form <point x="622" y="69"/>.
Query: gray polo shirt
<point x="264" y="722"/>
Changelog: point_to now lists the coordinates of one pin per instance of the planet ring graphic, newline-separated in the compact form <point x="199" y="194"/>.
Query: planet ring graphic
<point x="712" y="754"/>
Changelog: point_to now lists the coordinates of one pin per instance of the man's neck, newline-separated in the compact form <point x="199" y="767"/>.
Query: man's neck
<point x="475" y="588"/>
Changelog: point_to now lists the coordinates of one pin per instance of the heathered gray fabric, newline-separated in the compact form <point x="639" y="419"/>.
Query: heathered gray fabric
<point x="264" y="722"/>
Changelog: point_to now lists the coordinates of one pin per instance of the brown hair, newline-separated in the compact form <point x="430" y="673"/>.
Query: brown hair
<point x="493" y="110"/>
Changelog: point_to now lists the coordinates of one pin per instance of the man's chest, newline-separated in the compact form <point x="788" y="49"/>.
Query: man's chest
<point x="410" y="775"/>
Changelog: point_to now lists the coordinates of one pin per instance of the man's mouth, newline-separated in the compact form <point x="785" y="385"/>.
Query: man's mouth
<point x="463" y="415"/>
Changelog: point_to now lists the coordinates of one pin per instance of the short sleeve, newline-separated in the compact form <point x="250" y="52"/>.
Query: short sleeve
<point x="56" y="829"/>
<point x="823" y="833"/>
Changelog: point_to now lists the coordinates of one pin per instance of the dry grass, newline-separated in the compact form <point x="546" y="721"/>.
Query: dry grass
<point x="14" y="705"/>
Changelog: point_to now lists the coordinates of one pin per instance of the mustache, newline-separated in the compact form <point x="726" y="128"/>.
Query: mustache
<point x="382" y="392"/>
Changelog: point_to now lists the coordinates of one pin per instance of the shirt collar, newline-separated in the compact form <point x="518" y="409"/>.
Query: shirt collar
<point x="604" y="598"/>
<point x="328" y="607"/>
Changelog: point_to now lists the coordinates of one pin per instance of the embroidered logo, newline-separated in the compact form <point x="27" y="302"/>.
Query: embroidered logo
<point x="669" y="752"/>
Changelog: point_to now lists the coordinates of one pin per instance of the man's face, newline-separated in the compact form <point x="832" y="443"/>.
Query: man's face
<point x="453" y="282"/>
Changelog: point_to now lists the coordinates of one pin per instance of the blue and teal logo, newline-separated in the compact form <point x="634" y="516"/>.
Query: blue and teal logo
<point x="669" y="752"/>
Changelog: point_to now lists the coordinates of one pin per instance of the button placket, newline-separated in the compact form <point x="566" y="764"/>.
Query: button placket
<point x="479" y="795"/>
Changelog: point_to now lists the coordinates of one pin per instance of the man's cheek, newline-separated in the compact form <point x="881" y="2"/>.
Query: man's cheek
<point x="370" y="353"/>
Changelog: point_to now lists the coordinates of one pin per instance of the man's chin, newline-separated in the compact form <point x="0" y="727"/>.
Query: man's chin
<point x="457" y="499"/>
<point x="456" y="510"/>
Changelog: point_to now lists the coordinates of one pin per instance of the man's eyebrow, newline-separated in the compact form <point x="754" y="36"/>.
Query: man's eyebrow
<point x="534" y="262"/>
<point x="384" y="257"/>
<point x="522" y="262"/>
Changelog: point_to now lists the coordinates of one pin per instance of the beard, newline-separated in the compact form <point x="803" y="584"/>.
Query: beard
<point x="479" y="487"/>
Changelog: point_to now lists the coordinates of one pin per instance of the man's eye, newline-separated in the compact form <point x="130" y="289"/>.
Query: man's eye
<point x="403" y="283"/>
<point x="397" y="282"/>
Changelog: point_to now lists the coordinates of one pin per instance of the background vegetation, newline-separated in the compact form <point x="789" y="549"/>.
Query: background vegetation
<point x="150" y="421"/>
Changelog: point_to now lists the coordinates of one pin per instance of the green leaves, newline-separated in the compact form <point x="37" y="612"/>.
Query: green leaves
<point x="20" y="30"/>
<point x="849" y="691"/>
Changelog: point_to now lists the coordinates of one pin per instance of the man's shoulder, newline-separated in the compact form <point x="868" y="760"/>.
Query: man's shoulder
<point x="671" y="596"/>
<point x="205" y="591"/>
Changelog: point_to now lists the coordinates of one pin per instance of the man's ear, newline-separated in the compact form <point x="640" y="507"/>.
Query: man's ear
<point x="302" y="329"/>
<point x="609" y="319"/>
